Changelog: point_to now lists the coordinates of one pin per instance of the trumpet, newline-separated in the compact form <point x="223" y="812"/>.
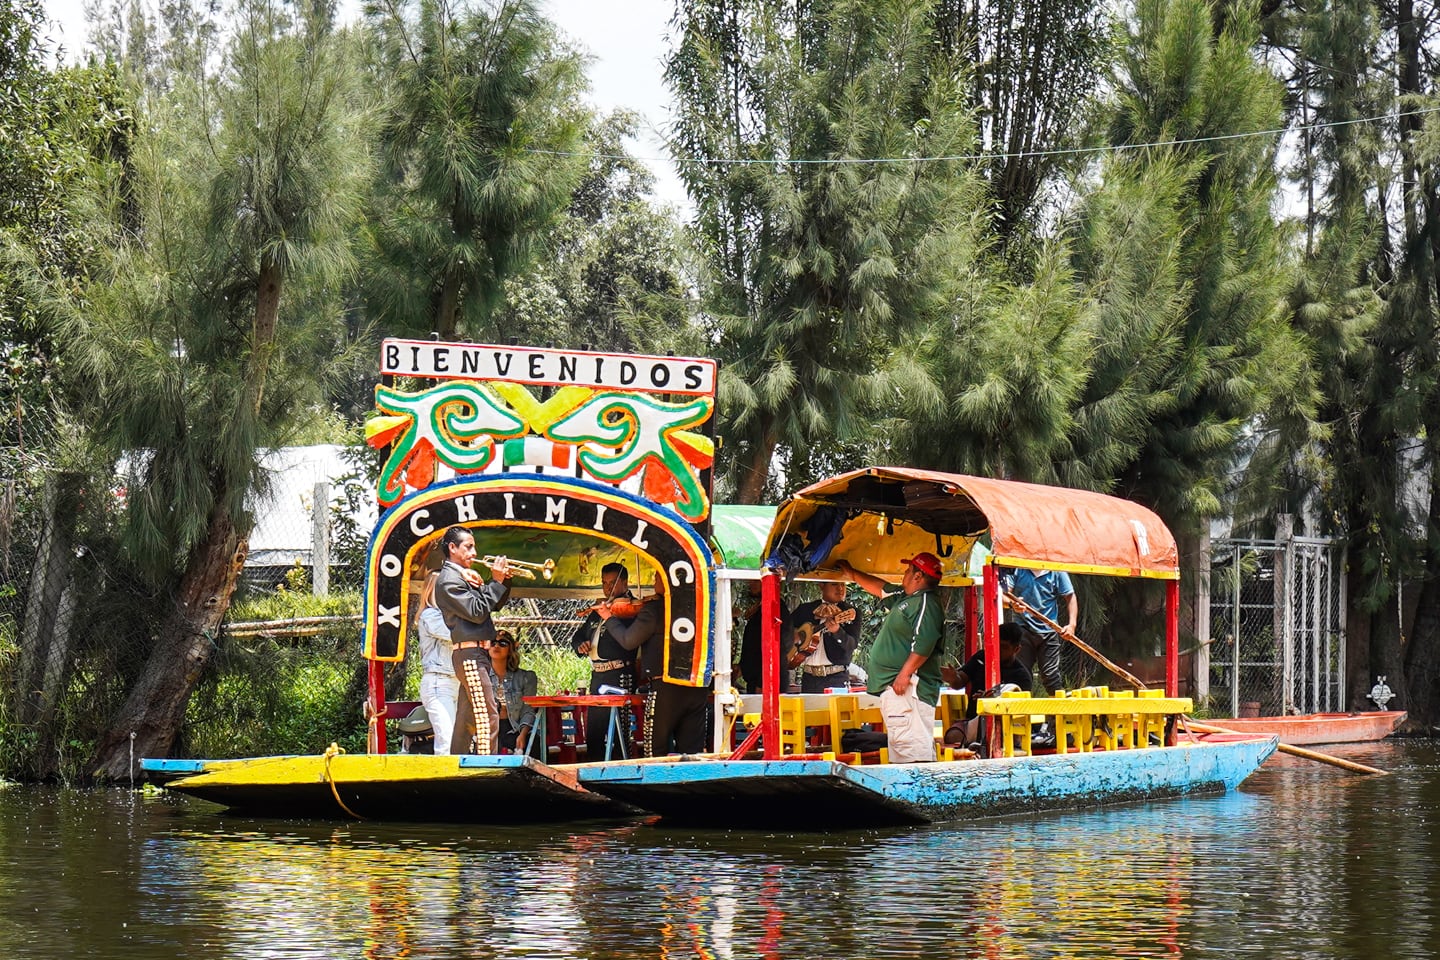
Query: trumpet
<point x="522" y="568"/>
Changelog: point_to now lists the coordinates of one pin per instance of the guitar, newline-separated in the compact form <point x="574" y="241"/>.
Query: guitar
<point x="807" y="637"/>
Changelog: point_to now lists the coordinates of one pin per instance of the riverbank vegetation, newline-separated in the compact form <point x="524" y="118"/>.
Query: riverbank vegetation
<point x="1179" y="250"/>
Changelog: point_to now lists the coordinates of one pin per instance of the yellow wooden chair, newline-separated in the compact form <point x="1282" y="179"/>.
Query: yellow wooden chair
<point x="844" y="715"/>
<point x="1015" y="729"/>
<point x="953" y="707"/>
<point x="792" y="725"/>
<point x="1118" y="730"/>
<point x="1150" y="724"/>
<point x="1076" y="731"/>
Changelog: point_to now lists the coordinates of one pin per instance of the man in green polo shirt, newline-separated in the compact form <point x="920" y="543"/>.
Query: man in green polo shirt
<point x="904" y="670"/>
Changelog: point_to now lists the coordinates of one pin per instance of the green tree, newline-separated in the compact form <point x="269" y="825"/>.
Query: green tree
<point x="995" y="380"/>
<point x="1034" y="65"/>
<point x="482" y="149"/>
<point x="817" y="260"/>
<point x="1193" y="344"/>
<point x="208" y="329"/>
<point x="54" y="128"/>
<point x="612" y="270"/>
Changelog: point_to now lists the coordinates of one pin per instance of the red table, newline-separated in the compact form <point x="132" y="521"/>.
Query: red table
<point x="550" y="715"/>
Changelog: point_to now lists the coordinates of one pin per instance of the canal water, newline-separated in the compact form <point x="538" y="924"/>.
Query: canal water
<point x="1305" y="861"/>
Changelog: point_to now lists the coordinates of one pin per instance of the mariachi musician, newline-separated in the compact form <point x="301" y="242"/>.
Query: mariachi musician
<point x="825" y="634"/>
<point x="610" y="637"/>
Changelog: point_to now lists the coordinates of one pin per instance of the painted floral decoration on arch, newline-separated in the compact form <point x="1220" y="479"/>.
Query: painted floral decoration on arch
<point x="612" y="435"/>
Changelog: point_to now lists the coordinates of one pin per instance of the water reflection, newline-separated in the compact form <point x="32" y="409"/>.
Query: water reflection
<point x="1306" y="862"/>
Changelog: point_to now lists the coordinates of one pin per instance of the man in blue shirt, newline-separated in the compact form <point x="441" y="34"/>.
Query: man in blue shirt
<point x="1044" y="591"/>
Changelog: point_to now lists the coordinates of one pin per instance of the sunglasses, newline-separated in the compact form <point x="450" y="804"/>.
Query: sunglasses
<point x="500" y="643"/>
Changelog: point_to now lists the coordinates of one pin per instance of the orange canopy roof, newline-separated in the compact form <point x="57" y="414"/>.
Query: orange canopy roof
<point x="894" y="512"/>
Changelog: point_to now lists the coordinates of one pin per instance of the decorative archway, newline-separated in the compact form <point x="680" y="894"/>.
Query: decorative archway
<point x="545" y="503"/>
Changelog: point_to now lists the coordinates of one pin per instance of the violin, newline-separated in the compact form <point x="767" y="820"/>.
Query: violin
<point x="626" y="608"/>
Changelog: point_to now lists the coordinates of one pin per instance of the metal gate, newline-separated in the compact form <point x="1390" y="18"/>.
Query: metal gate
<point x="1277" y="626"/>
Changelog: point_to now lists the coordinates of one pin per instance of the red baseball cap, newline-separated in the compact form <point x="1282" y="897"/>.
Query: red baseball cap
<point x="926" y="563"/>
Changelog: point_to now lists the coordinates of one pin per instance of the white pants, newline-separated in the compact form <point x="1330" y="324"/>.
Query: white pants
<point x="909" y="725"/>
<point x="438" y="693"/>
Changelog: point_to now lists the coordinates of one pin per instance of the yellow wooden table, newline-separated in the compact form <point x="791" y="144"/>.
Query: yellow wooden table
<point x="838" y="711"/>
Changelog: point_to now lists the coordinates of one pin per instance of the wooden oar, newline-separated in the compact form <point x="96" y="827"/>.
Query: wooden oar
<point x="1294" y="751"/>
<point x="1020" y="606"/>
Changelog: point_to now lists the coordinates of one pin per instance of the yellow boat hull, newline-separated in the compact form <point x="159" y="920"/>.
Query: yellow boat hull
<point x="449" y="789"/>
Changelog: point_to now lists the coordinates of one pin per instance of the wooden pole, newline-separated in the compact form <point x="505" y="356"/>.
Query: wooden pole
<point x="1020" y="606"/>
<point x="1296" y="751"/>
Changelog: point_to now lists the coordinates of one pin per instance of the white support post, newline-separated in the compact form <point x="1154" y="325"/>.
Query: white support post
<point x="320" y="540"/>
<point x="1284" y="620"/>
<point x="1200" y="665"/>
<point x="724" y="657"/>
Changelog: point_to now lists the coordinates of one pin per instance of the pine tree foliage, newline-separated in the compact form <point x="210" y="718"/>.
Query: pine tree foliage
<point x="612" y="272"/>
<point x="1004" y="370"/>
<point x="813" y="272"/>
<point x="210" y="324"/>
<point x="195" y="342"/>
<point x="1034" y="65"/>
<point x="1225" y="352"/>
<point x="482" y="147"/>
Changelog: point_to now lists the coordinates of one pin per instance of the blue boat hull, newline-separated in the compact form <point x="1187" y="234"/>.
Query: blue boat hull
<point x="820" y="793"/>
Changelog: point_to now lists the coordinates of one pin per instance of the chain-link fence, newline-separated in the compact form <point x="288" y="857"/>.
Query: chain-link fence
<point x="1277" y="627"/>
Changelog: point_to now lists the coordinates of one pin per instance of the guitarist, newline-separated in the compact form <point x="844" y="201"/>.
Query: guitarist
<point x="826" y="632"/>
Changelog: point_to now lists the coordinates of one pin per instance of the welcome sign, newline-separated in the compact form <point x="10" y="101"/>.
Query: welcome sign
<point x="600" y="512"/>
<point x="547" y="367"/>
<point x="645" y="422"/>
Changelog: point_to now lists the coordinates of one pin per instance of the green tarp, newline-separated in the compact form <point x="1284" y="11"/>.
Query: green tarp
<point x="738" y="532"/>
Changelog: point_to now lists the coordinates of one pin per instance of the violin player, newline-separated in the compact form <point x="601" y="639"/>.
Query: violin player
<point x="610" y="637"/>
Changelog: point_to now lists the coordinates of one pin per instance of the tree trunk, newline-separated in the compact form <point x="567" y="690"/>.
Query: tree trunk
<point x="755" y="469"/>
<point x="1357" y="639"/>
<point x="448" y="309"/>
<point x="1422" y="650"/>
<point x="148" y="723"/>
<point x="262" y="337"/>
<point x="46" y="635"/>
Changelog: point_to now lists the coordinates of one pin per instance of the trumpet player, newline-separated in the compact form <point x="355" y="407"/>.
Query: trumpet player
<point x="467" y="603"/>
<point x="610" y="641"/>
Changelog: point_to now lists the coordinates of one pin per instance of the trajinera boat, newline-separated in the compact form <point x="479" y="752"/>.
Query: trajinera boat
<point x="1305" y="729"/>
<point x="587" y="458"/>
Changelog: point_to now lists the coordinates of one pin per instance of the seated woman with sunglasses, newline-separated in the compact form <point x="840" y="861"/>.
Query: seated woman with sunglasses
<point x="512" y="685"/>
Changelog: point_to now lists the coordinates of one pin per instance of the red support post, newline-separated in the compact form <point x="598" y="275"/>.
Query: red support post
<point x="991" y="601"/>
<point x="770" y="661"/>
<point x="375" y="709"/>
<point x="992" y="626"/>
<point x="1172" y="638"/>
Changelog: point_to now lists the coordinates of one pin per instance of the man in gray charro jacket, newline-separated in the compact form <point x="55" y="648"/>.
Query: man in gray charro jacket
<point x="467" y="603"/>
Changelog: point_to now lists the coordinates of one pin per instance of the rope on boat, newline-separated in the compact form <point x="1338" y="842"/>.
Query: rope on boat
<point x="331" y="752"/>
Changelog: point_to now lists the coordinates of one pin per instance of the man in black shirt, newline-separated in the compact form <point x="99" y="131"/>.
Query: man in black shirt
<point x="612" y="662"/>
<point x="971" y="679"/>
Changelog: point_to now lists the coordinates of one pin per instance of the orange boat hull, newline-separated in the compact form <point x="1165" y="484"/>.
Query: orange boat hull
<point x="1313" y="728"/>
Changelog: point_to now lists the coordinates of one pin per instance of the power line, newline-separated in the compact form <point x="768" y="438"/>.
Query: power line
<point x="1020" y="155"/>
